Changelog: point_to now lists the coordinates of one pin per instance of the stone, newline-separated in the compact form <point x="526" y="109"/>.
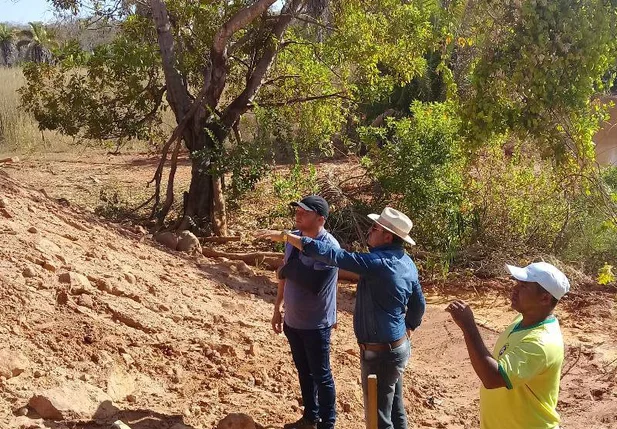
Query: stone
<point x="50" y="267"/>
<point x="346" y="407"/>
<point x="62" y="297"/>
<point x="131" y="398"/>
<point x="11" y="160"/>
<point x="130" y="278"/>
<point x="168" y="239"/>
<point x="28" y="272"/>
<point x="2" y="203"/>
<point x="78" y="282"/>
<point x="85" y="301"/>
<point x="128" y="359"/>
<point x="23" y="422"/>
<point x="33" y="230"/>
<point x="120" y="384"/>
<point x="38" y="374"/>
<point x="188" y="242"/>
<point x="243" y="268"/>
<point x="12" y="363"/>
<point x="73" y="400"/>
<point x="236" y="421"/>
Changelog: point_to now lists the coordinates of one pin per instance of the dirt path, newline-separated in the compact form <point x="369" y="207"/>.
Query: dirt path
<point x="180" y="341"/>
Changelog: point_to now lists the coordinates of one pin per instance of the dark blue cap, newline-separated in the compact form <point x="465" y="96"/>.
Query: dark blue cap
<point x="313" y="203"/>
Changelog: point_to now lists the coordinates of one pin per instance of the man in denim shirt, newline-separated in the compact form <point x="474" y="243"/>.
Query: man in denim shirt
<point x="389" y="304"/>
<point x="308" y="289"/>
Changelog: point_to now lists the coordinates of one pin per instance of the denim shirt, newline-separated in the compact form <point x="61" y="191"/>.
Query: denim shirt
<point x="310" y="288"/>
<point x="389" y="299"/>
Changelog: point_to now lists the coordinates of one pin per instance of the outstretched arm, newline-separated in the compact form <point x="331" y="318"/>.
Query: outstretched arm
<point x="325" y="252"/>
<point x="485" y="366"/>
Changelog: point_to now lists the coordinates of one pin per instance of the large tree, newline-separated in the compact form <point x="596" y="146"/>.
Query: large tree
<point x="215" y="61"/>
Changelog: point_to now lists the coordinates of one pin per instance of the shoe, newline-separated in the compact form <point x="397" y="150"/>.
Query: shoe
<point x="303" y="423"/>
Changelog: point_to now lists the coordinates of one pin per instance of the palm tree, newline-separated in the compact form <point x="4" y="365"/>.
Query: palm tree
<point x="7" y="45"/>
<point x="37" y="43"/>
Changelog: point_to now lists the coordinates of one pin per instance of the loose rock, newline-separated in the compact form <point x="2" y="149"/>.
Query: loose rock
<point x="78" y="282"/>
<point x="73" y="400"/>
<point x="168" y="239"/>
<point x="236" y="421"/>
<point x="28" y="272"/>
<point x="12" y="363"/>
<point x="188" y="242"/>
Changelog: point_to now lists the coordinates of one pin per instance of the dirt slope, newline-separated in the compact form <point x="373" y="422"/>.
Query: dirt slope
<point x="165" y="339"/>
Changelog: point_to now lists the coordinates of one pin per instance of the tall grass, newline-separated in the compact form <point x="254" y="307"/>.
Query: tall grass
<point x="19" y="131"/>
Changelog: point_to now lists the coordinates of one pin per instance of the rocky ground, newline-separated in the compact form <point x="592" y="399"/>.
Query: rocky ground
<point x="98" y="323"/>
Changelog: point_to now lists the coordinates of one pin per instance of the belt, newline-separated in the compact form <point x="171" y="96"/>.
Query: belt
<point x="381" y="347"/>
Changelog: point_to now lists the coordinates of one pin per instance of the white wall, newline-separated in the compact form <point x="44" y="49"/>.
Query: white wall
<point x="606" y="138"/>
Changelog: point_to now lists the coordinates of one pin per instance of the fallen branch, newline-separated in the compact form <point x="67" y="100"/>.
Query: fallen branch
<point x="221" y="240"/>
<point x="269" y="260"/>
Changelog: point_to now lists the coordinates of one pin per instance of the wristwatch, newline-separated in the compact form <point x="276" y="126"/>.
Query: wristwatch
<point x="285" y="234"/>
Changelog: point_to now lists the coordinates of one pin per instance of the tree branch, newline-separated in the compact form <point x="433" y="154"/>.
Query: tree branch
<point x="177" y="94"/>
<point x="241" y="104"/>
<point x="271" y="81"/>
<point x="216" y="72"/>
<point x="301" y="100"/>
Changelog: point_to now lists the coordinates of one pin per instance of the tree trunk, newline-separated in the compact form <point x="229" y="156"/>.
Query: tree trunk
<point x="205" y="202"/>
<point x="219" y="214"/>
<point x="199" y="201"/>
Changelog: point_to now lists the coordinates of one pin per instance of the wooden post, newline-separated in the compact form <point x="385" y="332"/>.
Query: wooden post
<point x="371" y="412"/>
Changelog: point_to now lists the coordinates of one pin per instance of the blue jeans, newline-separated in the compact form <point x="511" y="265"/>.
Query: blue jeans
<point x="311" y="354"/>
<point x="389" y="366"/>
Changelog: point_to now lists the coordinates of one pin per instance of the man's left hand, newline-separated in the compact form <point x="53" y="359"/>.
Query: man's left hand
<point x="461" y="314"/>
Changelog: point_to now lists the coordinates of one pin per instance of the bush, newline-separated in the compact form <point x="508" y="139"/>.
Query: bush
<point x="419" y="164"/>
<point x="524" y="207"/>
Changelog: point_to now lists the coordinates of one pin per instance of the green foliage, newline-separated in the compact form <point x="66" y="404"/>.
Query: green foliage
<point x="299" y="182"/>
<point x="117" y="96"/>
<point x="385" y="40"/>
<point x="538" y="70"/>
<point x="420" y="166"/>
<point x="71" y="54"/>
<point x="522" y="206"/>
<point x="518" y="202"/>
<point x="605" y="274"/>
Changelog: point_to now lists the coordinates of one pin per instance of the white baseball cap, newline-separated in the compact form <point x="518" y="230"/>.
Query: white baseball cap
<point x="546" y="275"/>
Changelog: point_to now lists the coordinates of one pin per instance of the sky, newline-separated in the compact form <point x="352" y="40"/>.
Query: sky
<point x="24" y="11"/>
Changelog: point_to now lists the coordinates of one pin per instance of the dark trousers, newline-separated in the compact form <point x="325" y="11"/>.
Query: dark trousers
<point x="389" y="367"/>
<point x="311" y="354"/>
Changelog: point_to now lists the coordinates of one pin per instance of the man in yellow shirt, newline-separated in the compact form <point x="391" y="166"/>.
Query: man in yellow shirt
<point x="521" y="377"/>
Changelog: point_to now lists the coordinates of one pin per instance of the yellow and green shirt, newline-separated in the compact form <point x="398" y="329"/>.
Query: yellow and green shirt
<point x="530" y="362"/>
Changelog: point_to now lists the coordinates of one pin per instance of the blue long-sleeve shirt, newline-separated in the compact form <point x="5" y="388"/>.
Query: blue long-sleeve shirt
<point x="389" y="298"/>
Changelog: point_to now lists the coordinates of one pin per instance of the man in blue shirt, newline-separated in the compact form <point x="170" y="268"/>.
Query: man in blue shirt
<point x="389" y="304"/>
<point x="308" y="289"/>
